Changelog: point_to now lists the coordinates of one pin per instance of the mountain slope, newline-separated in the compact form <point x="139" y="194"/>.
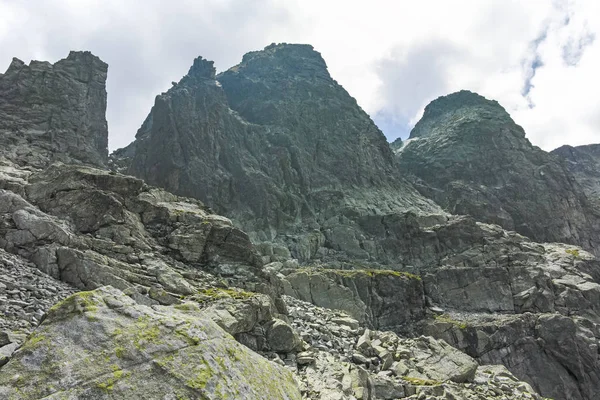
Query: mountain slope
<point x="167" y="325"/>
<point x="584" y="164"/>
<point x="276" y="144"/>
<point x="468" y="155"/>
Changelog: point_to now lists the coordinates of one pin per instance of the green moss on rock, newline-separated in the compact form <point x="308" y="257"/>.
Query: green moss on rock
<point x="449" y="320"/>
<point x="136" y="351"/>
<point x="421" y="382"/>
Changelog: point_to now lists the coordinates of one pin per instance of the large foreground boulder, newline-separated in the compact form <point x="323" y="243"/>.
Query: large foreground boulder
<point x="102" y="345"/>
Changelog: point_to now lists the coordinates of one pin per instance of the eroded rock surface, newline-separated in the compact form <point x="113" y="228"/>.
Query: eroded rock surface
<point x="584" y="163"/>
<point x="280" y="147"/>
<point x="54" y="112"/>
<point x="104" y="345"/>
<point x="468" y="155"/>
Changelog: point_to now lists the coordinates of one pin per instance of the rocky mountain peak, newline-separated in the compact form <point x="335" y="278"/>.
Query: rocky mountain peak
<point x="202" y="69"/>
<point x="15" y="64"/>
<point x="471" y="157"/>
<point x="284" y="59"/>
<point x="584" y="164"/>
<point x="345" y="265"/>
<point x="55" y="112"/>
<point x="458" y="107"/>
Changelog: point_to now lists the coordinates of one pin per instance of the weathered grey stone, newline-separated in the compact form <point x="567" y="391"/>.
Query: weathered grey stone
<point x="281" y="337"/>
<point x="551" y="343"/>
<point x="381" y="298"/>
<point x="468" y="155"/>
<point x="261" y="166"/>
<point x="133" y="344"/>
<point x="584" y="163"/>
<point x="54" y="112"/>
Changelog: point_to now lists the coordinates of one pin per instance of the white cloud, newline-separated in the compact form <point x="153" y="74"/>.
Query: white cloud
<point x="393" y="56"/>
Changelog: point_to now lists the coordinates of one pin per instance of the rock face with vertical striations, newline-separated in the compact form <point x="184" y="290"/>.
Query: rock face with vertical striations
<point x="468" y="155"/>
<point x="584" y="163"/>
<point x="55" y="112"/>
<point x="276" y="144"/>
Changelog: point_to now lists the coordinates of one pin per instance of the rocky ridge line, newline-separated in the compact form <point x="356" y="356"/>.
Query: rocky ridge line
<point x="468" y="155"/>
<point x="167" y="255"/>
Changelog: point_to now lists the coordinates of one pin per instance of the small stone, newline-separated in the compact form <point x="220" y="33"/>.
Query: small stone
<point x="359" y="358"/>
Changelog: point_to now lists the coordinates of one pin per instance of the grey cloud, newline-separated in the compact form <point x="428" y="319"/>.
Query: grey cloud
<point x="532" y="63"/>
<point x="575" y="47"/>
<point x="412" y="78"/>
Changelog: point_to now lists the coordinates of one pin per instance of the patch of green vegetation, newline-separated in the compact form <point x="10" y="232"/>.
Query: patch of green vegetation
<point x="120" y="351"/>
<point x="181" y="396"/>
<point x="81" y="300"/>
<point x="573" y="252"/>
<point x="219" y="293"/>
<point x="448" y="319"/>
<point x="145" y="332"/>
<point x="421" y="382"/>
<point x="108" y="384"/>
<point x="186" y="306"/>
<point x="183" y="331"/>
<point x="234" y="353"/>
<point x="351" y="273"/>
<point x="202" y="377"/>
<point x="165" y="361"/>
<point x="34" y="339"/>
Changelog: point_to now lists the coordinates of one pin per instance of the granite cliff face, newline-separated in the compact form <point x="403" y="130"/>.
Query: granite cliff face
<point x="55" y="112"/>
<point x="468" y="155"/>
<point x="584" y="164"/>
<point x="276" y="144"/>
<point x="350" y="284"/>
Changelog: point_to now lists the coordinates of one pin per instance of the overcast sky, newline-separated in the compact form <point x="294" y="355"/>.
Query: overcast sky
<point x="539" y="59"/>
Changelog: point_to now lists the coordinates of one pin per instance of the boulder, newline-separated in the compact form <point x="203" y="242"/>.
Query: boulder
<point x="103" y="345"/>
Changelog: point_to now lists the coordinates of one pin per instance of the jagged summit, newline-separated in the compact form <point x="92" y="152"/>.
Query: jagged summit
<point x="285" y="59"/>
<point x="278" y="146"/>
<point x="55" y="112"/>
<point x="202" y="68"/>
<point x="397" y="144"/>
<point x="293" y="74"/>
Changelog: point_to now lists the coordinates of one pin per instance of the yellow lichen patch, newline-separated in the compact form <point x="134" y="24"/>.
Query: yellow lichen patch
<point x="145" y="332"/>
<point x="34" y="339"/>
<point x="352" y="273"/>
<point x="108" y="382"/>
<point x="81" y="301"/>
<point x="187" y="307"/>
<point x="201" y="378"/>
<point x="120" y="351"/>
<point x="573" y="252"/>
<point x="421" y="382"/>
<point x="219" y="293"/>
<point x="448" y="319"/>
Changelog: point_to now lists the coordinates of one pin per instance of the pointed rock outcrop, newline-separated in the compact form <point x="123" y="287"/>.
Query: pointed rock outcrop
<point x="277" y="145"/>
<point x="54" y="112"/>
